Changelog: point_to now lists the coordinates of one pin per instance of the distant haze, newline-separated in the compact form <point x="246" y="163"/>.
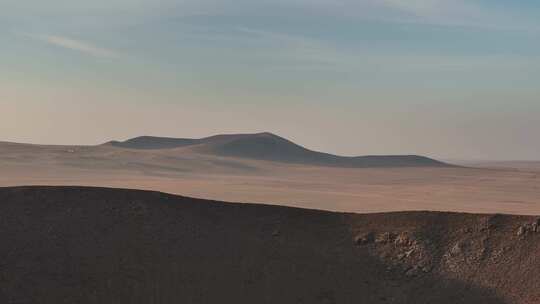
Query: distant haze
<point x="449" y="79"/>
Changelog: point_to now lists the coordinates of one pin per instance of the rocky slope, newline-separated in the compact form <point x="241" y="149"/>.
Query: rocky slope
<point x="95" y="245"/>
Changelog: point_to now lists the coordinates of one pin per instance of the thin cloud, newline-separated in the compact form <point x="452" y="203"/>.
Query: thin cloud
<point x="458" y="13"/>
<point x="77" y="45"/>
<point x="420" y="7"/>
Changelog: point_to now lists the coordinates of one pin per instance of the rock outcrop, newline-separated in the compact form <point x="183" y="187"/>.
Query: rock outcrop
<point x="93" y="245"/>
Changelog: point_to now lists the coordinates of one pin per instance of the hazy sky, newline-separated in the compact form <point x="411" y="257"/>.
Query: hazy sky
<point x="445" y="78"/>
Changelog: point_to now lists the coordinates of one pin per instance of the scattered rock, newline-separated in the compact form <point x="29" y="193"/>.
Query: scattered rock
<point x="385" y="237"/>
<point x="536" y="226"/>
<point x="521" y="231"/>
<point x="528" y="228"/>
<point x="456" y="249"/>
<point x="405" y="252"/>
<point x="427" y="268"/>
<point x="408" y="253"/>
<point x="498" y="253"/>
<point x="365" y="239"/>
<point x="403" y="239"/>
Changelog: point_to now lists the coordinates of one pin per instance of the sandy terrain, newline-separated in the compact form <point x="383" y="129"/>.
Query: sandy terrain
<point x="182" y="171"/>
<point x="530" y="166"/>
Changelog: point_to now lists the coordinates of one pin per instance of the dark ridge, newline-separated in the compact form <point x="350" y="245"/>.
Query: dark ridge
<point x="270" y="147"/>
<point x="151" y="142"/>
<point x="96" y="245"/>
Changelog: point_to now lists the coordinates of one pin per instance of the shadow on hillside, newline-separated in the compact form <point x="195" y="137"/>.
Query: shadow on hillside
<point x="82" y="245"/>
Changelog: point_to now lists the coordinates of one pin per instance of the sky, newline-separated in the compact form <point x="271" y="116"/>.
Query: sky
<point x="444" y="78"/>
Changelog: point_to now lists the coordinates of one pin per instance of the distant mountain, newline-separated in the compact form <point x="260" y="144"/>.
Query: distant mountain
<point x="270" y="147"/>
<point x="150" y="143"/>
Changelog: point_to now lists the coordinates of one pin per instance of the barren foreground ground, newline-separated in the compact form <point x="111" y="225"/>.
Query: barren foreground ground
<point x="512" y="188"/>
<point x="89" y="246"/>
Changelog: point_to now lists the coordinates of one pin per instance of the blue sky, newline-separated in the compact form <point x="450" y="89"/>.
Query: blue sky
<point x="445" y="78"/>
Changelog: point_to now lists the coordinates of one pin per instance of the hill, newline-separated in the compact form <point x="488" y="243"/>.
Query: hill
<point x="270" y="147"/>
<point x="96" y="245"/>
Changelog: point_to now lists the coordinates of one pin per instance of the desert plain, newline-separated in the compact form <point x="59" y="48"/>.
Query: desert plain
<point x="472" y="187"/>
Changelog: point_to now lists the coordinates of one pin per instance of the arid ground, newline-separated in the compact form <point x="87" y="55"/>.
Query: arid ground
<point x="90" y="245"/>
<point x="67" y="244"/>
<point x="510" y="188"/>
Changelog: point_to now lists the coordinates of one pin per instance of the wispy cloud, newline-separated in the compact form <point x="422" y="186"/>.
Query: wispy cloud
<point x="420" y="7"/>
<point x="270" y="45"/>
<point x="459" y="13"/>
<point x="77" y="45"/>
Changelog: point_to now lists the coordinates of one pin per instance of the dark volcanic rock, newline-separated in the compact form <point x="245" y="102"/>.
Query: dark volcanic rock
<point x="93" y="245"/>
